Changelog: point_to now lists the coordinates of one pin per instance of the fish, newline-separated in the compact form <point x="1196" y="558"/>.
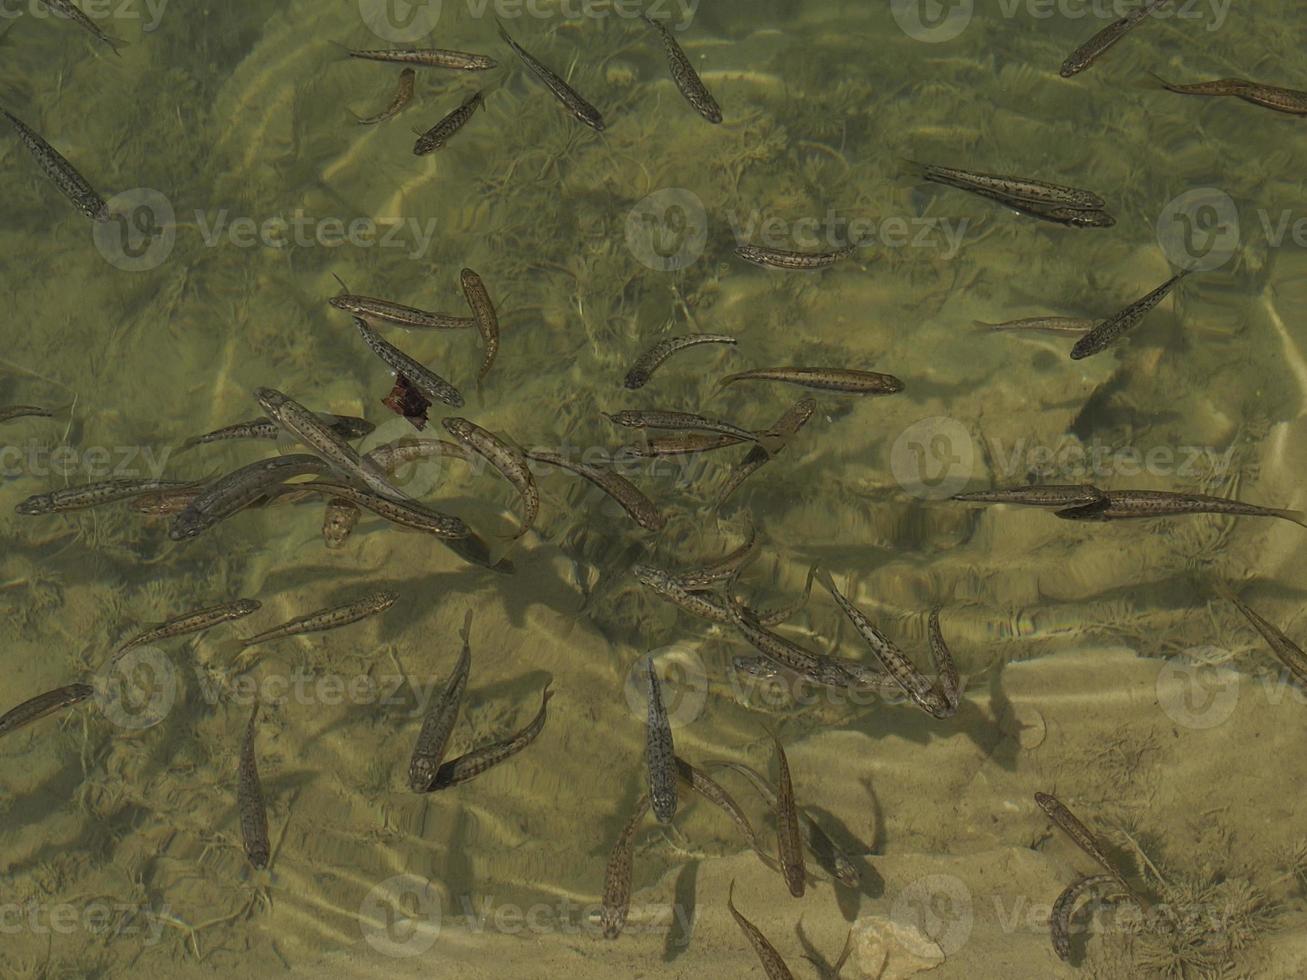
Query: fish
<point x="784" y="428"/>
<point x="1091" y="50"/>
<point x="369" y="308"/>
<point x="10" y="412"/>
<point x="772" y="963"/>
<point x="438" y="725"/>
<point x="161" y="502"/>
<point x="1101" y="336"/>
<point x="682" y="444"/>
<point x="508" y="459"/>
<point x="1288" y="652"/>
<point x="627" y="494"/>
<point x="1060" y="214"/>
<point x="479" y="760"/>
<point x="430" y="384"/>
<point x="240" y="489"/>
<point x="1080" y="834"/>
<point x="1125" y="504"/>
<point x="617" y="875"/>
<point x="579" y="107"/>
<point x="74" y="186"/>
<point x="338" y="520"/>
<point x="42" y="705"/>
<point x="838" y="673"/>
<point x="429" y="58"/>
<point x="1047" y="495"/>
<point x="392" y="455"/>
<point x="1044" y="324"/>
<point x="787" y="826"/>
<point x="823" y="379"/>
<point x="94" y="494"/>
<point x="442" y="132"/>
<point x="1059" y="920"/>
<point x="650" y="360"/>
<point x="636" y="419"/>
<point x="451" y="530"/>
<point x="403" y="96"/>
<point x="249" y="800"/>
<point x="193" y="622"/>
<point x="659" y="753"/>
<point x="330" y="618"/>
<point x="702" y="604"/>
<point x="1003" y="187"/>
<point x="946" y="683"/>
<point x="684" y="75"/>
<point x="66" y="8"/>
<point x="1287" y="100"/>
<point x="714" y="793"/>
<point x="305" y="426"/>
<point x="345" y="426"/>
<point x="866" y="680"/>
<point x="705" y="576"/>
<point x="474" y="290"/>
<point x="779" y="258"/>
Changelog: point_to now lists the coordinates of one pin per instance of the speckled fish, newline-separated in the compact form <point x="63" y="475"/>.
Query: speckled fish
<point x="330" y="618"/>
<point x="369" y="308"/>
<point x="650" y="360"/>
<point x="1080" y="834"/>
<point x="305" y="426"/>
<point x="249" y="800"/>
<point x="785" y="427"/>
<point x="787" y="826"/>
<point x="779" y="258"/>
<point x="94" y="494"/>
<point x="1008" y="188"/>
<point x="682" y="444"/>
<point x="714" y="793"/>
<point x="395" y="454"/>
<point x="240" y="489"/>
<point x="705" y="605"/>
<point x="1119" y="505"/>
<point x="617" y="875"/>
<point x="42" y="705"/>
<point x="867" y="680"/>
<point x="339" y="518"/>
<point x="165" y="502"/>
<point x="66" y="8"/>
<point x="1288" y="652"/>
<point x="659" y="754"/>
<point x="438" y="725"/>
<point x="947" y="685"/>
<point x="479" y="760"/>
<point x="403" y="96"/>
<point x="194" y="622"/>
<point x="11" y="412"/>
<point x="622" y="490"/>
<point x="1059" y="920"/>
<point x="1062" y="325"/>
<point x="509" y="460"/>
<point x="828" y="671"/>
<point x="706" y="576"/>
<point x="684" y="75"/>
<point x="429" y="58"/>
<point x="823" y="379"/>
<point x="1047" y="495"/>
<point x="432" y="385"/>
<point x="772" y="963"/>
<point x="636" y="419"/>
<point x="1061" y="214"/>
<point x="345" y="426"/>
<point x="478" y="298"/>
<point x="442" y="132"/>
<point x="579" y="107"/>
<point x="1287" y="100"/>
<point x="1101" y="337"/>
<point x="1091" y="50"/>
<point x="73" y="185"/>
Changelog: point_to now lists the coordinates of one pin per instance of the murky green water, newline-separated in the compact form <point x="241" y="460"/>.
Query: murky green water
<point x="1101" y="663"/>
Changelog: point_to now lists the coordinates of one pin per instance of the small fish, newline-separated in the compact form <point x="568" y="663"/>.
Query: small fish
<point x="946" y="683"/>
<point x="165" y="502"/>
<point x="94" y="494"/>
<point x="772" y="963"/>
<point x="702" y="604"/>
<point x="828" y="671"/>
<point x="1080" y="834"/>
<point x="824" y="379"/>
<point x="371" y="309"/>
<point x="345" y="426"/>
<point x="509" y="460"/>
<point x="441" y="716"/>
<point x="1288" y="652"/>
<point x="487" y="321"/>
<point x="659" y="754"/>
<point x="1049" y="495"/>
<point x="705" y="576"/>
<point x="249" y="800"/>
<point x="1061" y="214"/>
<point x="1124" y="504"/>
<point x="442" y="132"/>
<point x="328" y="619"/>
<point x="787" y="826"/>
<point x="636" y="419"/>
<point x="779" y="258"/>
<point x="1059" y="920"/>
<point x="479" y="760"/>
<point x="1101" y="336"/>
<point x="1044" y="324"/>
<point x="682" y="444"/>
<point x="338" y="520"/>
<point x="432" y="385"/>
<point x="42" y="705"/>
<point x="240" y="489"/>
<point x="579" y="107"/>
<point x="650" y="360"/>
<point x="784" y="428"/>
<point x="627" y="494"/>
<point x="73" y="185"/>
<point x="408" y="450"/>
<point x="429" y="58"/>
<point x="617" y="875"/>
<point x="1002" y="187"/>
<point x="714" y="793"/>
<point x="403" y="96"/>
<point x="1287" y="100"/>
<point x="66" y="8"/>
<point x="193" y="622"/>
<point x="684" y="75"/>
<point x="10" y="412"/>
<point x="1091" y="50"/>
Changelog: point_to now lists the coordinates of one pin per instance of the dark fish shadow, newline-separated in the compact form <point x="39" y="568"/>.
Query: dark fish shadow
<point x="871" y="883"/>
<point x="681" y="929"/>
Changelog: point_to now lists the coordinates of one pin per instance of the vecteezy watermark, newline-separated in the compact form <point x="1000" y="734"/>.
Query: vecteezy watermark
<point x="401" y="916"/>
<point x="682" y="682"/>
<point x="137" y="689"/>
<point x="941" y="907"/>
<point x="668" y="230"/>
<point x="92" y="463"/>
<point x="933" y="458"/>
<point x="833" y="231"/>
<point x="148" y="12"/>
<point x="754" y="680"/>
<point x="312" y="688"/>
<point x="937" y="21"/>
<point x="407" y="21"/>
<point x="98" y="918"/>
<point x="1199" y="230"/>
<point x="933" y="21"/>
<point x="1195" y="690"/>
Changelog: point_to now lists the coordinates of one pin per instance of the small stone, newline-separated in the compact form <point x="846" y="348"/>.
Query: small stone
<point x="887" y="950"/>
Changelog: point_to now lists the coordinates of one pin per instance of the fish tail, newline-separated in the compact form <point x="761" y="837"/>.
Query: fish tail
<point x="1223" y="589"/>
<point x="503" y="31"/>
<point x="1297" y="516"/>
<point x="1160" y="80"/>
<point x="824" y="577"/>
<point x="349" y="52"/>
<point x="914" y="168"/>
<point x="114" y="43"/>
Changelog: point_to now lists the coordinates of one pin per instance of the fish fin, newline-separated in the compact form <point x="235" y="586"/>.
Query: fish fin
<point x="344" y="288"/>
<point x="913" y="168"/>
<point x="1223" y="589"/>
<point x="349" y="52"/>
<point x="1297" y="516"/>
<point x="824" y="577"/>
<point x="465" y="634"/>
<point x="503" y="31"/>
<point x="771" y="442"/>
<point x="1159" y="79"/>
<point x="114" y="44"/>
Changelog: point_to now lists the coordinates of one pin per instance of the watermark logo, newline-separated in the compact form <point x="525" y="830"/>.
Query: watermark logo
<point x="682" y="682"/>
<point x="401" y="916"/>
<point x="933" y="21"/>
<point x="933" y="458"/>
<point x="668" y="230"/>
<point x="1195" y="691"/>
<point x="941" y="907"/>
<point x="1199" y="230"/>
<point x="400" y="21"/>
<point x="141" y="230"/>
<point x="136" y="691"/>
<point x="417" y="477"/>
